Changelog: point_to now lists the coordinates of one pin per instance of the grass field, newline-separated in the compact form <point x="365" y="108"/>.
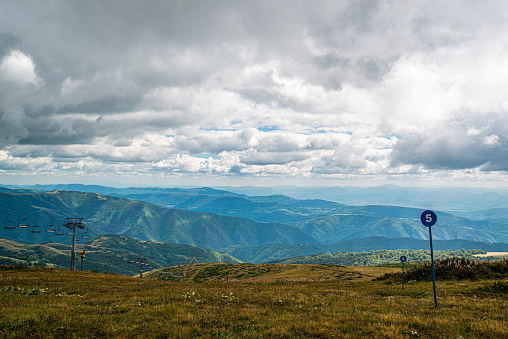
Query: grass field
<point x="48" y="303"/>
<point x="220" y="272"/>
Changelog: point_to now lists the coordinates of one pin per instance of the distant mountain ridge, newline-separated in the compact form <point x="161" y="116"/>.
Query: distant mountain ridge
<point x="442" y="198"/>
<point x="269" y="252"/>
<point x="144" y="221"/>
<point x="237" y="219"/>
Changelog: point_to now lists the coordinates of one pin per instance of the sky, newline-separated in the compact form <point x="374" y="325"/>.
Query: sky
<point x="168" y="93"/>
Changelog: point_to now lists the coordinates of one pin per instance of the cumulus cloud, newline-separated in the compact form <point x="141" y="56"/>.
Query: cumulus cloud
<point x="18" y="68"/>
<point x="476" y="143"/>
<point x="288" y="88"/>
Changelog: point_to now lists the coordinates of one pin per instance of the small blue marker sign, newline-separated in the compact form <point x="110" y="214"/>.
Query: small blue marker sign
<point x="403" y="260"/>
<point x="428" y="218"/>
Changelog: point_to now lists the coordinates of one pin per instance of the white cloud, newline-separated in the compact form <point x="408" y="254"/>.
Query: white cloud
<point x="69" y="86"/>
<point x="289" y="88"/>
<point x="19" y="68"/>
<point x="492" y="140"/>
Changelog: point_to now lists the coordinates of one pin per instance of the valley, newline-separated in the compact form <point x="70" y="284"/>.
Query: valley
<point x="218" y="225"/>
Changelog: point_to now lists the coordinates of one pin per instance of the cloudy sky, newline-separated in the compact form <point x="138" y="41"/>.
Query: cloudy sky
<point x="253" y="92"/>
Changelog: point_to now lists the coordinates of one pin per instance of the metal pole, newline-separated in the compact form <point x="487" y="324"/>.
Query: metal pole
<point x="433" y="270"/>
<point x="402" y="275"/>
<point x="73" y="254"/>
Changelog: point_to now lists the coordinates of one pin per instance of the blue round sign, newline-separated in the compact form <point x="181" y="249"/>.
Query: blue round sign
<point x="428" y="218"/>
<point x="403" y="258"/>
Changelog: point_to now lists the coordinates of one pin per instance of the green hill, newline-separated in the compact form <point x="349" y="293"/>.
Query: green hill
<point x="108" y="253"/>
<point x="310" y="221"/>
<point x="113" y="215"/>
<point x="325" y="220"/>
<point x="333" y="228"/>
<point x="270" y="252"/>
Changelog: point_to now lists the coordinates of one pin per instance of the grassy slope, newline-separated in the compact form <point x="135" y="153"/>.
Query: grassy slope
<point x="267" y="272"/>
<point x="50" y="303"/>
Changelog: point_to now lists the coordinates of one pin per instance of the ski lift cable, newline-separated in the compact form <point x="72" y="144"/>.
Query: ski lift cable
<point x="38" y="216"/>
<point x="24" y="222"/>
<point x="26" y="216"/>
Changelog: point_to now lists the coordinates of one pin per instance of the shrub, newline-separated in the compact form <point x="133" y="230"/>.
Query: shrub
<point x="452" y="269"/>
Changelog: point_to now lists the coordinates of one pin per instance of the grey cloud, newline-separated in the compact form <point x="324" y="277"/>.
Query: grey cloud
<point x="8" y="42"/>
<point x="272" y="158"/>
<point x="455" y="148"/>
<point x="278" y="143"/>
<point x="340" y="163"/>
<point x="261" y="96"/>
<point x="115" y="54"/>
<point x="330" y="60"/>
<point x="213" y="142"/>
<point x="122" y="142"/>
<point x="105" y="105"/>
<point x="358" y="15"/>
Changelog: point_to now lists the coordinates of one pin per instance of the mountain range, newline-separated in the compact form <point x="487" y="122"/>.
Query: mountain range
<point x="113" y="215"/>
<point x="259" y="227"/>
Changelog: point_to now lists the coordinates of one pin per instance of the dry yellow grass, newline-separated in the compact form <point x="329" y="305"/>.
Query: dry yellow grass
<point x="46" y="303"/>
<point x="268" y="272"/>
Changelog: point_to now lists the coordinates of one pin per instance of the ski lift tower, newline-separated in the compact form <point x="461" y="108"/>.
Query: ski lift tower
<point x="72" y="223"/>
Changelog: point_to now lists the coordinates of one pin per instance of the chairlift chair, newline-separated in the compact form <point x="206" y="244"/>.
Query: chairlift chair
<point x="58" y="231"/>
<point x="51" y="228"/>
<point x="23" y="223"/>
<point x="86" y="235"/>
<point x="9" y="224"/>
<point x="36" y="228"/>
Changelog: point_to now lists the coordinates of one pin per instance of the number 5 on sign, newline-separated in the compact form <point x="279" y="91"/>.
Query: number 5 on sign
<point x="428" y="218"/>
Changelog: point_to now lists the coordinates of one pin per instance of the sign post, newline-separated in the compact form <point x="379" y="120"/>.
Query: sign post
<point x="428" y="219"/>
<point x="403" y="260"/>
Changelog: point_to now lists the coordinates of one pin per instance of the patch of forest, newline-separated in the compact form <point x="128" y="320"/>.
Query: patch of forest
<point x="379" y="257"/>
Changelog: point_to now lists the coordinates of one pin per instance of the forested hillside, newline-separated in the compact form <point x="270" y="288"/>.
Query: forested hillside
<point x="113" y="215"/>
<point x="269" y="252"/>
<point x="108" y="253"/>
<point x="373" y="258"/>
